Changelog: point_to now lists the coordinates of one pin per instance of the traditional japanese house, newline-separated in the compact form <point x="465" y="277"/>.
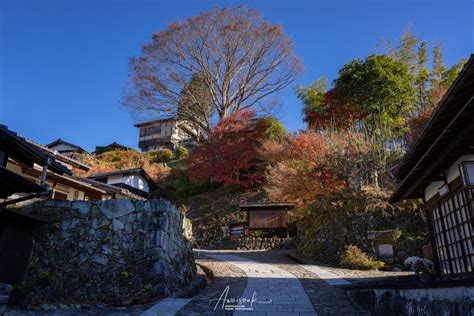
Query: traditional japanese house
<point x="267" y="217"/>
<point x="16" y="244"/>
<point x="65" y="148"/>
<point x="110" y="147"/>
<point x="16" y="241"/>
<point x="135" y="180"/>
<point x="31" y="171"/>
<point x="58" y="181"/>
<point x="439" y="168"/>
<point x="167" y="132"/>
<point x="16" y="155"/>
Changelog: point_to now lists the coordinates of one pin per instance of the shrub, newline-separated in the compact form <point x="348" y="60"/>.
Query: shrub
<point x="419" y="265"/>
<point x="186" y="188"/>
<point x="181" y="152"/>
<point x="274" y="129"/>
<point x="120" y="160"/>
<point x="355" y="258"/>
<point x="161" y="155"/>
<point x="412" y="243"/>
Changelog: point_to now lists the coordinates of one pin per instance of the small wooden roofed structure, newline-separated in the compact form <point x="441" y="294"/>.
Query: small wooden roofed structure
<point x="267" y="216"/>
<point x="433" y="169"/>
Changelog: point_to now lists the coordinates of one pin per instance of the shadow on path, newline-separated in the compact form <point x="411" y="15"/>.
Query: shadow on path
<point x="274" y="276"/>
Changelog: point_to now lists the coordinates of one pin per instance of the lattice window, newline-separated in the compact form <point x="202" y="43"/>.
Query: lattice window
<point x="454" y="233"/>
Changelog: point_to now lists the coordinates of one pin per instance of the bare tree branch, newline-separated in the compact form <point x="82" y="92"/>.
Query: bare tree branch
<point x="240" y="58"/>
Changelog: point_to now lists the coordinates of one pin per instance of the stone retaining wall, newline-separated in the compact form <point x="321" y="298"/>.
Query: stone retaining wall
<point x="117" y="252"/>
<point x="422" y="301"/>
<point x="252" y="243"/>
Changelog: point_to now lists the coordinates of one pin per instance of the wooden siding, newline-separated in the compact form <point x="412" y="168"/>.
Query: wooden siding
<point x="259" y="219"/>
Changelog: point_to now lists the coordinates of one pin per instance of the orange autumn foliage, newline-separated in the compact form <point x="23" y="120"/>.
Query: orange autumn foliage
<point x="334" y="113"/>
<point x="124" y="159"/>
<point x="311" y="164"/>
<point x="229" y="158"/>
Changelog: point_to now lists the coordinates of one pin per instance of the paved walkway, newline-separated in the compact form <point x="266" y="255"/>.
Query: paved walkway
<point x="269" y="291"/>
<point x="329" y="277"/>
<point x="166" y="307"/>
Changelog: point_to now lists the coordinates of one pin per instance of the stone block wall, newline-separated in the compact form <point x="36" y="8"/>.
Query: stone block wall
<point x="118" y="252"/>
<point x="253" y="243"/>
<point x="416" y="301"/>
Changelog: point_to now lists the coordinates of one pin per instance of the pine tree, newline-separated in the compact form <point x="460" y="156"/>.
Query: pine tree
<point x="438" y="67"/>
<point x="422" y="76"/>
<point x="406" y="50"/>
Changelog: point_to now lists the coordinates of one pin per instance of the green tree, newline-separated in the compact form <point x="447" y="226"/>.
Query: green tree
<point x="422" y="75"/>
<point x="450" y="74"/>
<point x="406" y="52"/>
<point x="312" y="96"/>
<point x="181" y="152"/>
<point x="274" y="130"/>
<point x="438" y="67"/>
<point x="380" y="86"/>
<point x="161" y="155"/>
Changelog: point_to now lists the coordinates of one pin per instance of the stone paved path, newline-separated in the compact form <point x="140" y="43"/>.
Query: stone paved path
<point x="223" y="274"/>
<point x="166" y="307"/>
<point x="276" y="291"/>
<point x="329" y="277"/>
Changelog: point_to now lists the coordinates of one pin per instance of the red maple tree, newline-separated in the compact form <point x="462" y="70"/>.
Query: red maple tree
<point x="229" y="157"/>
<point x="335" y="112"/>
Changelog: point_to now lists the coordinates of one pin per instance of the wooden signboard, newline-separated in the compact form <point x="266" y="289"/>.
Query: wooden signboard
<point x="267" y="215"/>
<point x="267" y="219"/>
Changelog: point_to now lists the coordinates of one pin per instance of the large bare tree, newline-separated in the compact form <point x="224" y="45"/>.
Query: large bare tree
<point x="239" y="57"/>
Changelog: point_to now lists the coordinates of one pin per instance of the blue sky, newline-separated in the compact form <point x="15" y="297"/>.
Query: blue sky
<point x="63" y="63"/>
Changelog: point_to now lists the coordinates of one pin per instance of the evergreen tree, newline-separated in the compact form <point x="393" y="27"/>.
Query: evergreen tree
<point x="438" y="67"/>
<point x="450" y="74"/>
<point x="422" y="76"/>
<point x="406" y="52"/>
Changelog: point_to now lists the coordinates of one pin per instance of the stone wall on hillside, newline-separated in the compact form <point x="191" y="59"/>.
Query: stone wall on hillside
<point x="257" y="243"/>
<point x="117" y="252"/>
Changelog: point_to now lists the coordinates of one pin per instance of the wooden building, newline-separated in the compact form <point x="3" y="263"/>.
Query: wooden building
<point x="439" y="168"/>
<point x="16" y="244"/>
<point x="267" y="217"/>
<point x="22" y="164"/>
<point x="16" y="239"/>
<point x="17" y="154"/>
<point x="99" y="150"/>
<point x="65" y="148"/>
<point x="167" y="132"/>
<point x="135" y="180"/>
